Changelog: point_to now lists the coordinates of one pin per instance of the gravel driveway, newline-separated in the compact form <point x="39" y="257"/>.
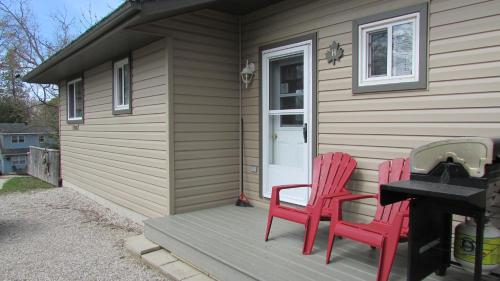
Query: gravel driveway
<point x="58" y="234"/>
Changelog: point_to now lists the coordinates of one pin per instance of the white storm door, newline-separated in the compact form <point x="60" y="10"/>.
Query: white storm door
<point x="286" y="120"/>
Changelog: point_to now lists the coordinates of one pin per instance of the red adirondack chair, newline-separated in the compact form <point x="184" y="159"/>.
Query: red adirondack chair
<point x="387" y="228"/>
<point x="330" y="174"/>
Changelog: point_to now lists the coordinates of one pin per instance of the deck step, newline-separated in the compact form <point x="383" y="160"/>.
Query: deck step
<point x="158" y="258"/>
<point x="139" y="245"/>
<point x="163" y="261"/>
<point x="179" y="270"/>
<point x="214" y="268"/>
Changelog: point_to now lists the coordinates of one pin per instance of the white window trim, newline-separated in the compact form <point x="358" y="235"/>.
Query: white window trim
<point x="19" y="139"/>
<point x="74" y="100"/>
<point x="117" y="65"/>
<point x="364" y="29"/>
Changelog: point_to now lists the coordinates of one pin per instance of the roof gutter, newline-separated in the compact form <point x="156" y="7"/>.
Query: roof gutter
<point x="114" y="19"/>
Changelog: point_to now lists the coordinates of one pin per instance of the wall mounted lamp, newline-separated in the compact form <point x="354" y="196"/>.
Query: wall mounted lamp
<point x="247" y="73"/>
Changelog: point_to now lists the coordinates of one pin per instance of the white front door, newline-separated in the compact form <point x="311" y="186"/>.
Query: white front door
<point x="286" y="120"/>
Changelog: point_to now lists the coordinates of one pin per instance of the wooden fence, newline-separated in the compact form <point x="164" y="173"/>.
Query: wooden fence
<point x="44" y="164"/>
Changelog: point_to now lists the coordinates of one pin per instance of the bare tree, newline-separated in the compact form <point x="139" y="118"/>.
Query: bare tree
<point x="64" y="26"/>
<point x="20" y="33"/>
<point x="22" y="48"/>
<point x="88" y="17"/>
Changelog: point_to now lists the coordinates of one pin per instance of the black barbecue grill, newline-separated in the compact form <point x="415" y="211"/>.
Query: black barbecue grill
<point x="456" y="176"/>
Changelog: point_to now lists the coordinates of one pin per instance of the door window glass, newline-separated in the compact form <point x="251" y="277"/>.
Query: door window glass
<point x="286" y="83"/>
<point x="287" y="88"/>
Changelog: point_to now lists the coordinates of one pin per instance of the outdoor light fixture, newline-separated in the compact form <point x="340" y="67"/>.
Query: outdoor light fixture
<point x="247" y="73"/>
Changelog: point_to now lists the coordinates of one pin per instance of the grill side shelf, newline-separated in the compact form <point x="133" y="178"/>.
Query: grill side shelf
<point x="401" y="190"/>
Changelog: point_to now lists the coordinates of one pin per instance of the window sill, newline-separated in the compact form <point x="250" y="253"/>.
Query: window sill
<point x="119" y="111"/>
<point x="75" y="121"/>
<point x="389" y="87"/>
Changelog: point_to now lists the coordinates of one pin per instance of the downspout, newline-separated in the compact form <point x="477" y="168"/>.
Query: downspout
<point x="240" y="93"/>
<point x="60" y="182"/>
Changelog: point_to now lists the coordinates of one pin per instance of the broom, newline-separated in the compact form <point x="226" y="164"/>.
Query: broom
<point x="242" y="199"/>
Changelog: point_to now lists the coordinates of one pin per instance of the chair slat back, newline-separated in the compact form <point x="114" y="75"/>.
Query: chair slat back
<point x="331" y="171"/>
<point x="390" y="171"/>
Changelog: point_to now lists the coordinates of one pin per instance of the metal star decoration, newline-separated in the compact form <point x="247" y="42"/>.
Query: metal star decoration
<point x="334" y="53"/>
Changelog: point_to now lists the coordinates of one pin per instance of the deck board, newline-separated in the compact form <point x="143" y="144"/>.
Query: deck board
<point x="228" y="243"/>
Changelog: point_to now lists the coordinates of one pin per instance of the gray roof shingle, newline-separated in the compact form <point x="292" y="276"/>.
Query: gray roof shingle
<point x="23" y="128"/>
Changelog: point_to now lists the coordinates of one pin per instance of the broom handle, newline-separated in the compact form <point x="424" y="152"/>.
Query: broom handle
<point x="241" y="156"/>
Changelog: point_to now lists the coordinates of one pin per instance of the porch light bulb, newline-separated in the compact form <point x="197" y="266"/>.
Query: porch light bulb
<point x="247" y="73"/>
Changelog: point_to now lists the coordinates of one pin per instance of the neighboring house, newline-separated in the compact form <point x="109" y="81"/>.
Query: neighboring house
<point x="150" y="96"/>
<point x="15" y="140"/>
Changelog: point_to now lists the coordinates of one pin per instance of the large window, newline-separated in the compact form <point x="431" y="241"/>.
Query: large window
<point x="121" y="87"/>
<point x="75" y="101"/>
<point x="17" y="139"/>
<point x="391" y="51"/>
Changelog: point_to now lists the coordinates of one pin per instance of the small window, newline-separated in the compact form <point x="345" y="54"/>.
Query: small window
<point x="121" y="87"/>
<point x="75" y="101"/>
<point x="17" y="139"/>
<point x="18" y="160"/>
<point x="391" y="51"/>
<point x="41" y="139"/>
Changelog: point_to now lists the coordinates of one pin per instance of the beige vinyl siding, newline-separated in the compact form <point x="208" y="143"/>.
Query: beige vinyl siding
<point x="462" y="99"/>
<point x="205" y="107"/>
<point x="122" y="158"/>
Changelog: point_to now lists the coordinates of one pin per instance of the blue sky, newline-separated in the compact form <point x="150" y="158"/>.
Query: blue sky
<point x="44" y="10"/>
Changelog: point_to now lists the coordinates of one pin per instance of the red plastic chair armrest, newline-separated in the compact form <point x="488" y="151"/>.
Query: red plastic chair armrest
<point x="337" y="203"/>
<point x="288" y="186"/>
<point x="340" y="194"/>
<point x="352" y="197"/>
<point x="275" y="195"/>
<point x="321" y="200"/>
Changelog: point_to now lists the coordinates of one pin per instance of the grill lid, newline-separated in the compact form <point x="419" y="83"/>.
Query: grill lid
<point x="473" y="153"/>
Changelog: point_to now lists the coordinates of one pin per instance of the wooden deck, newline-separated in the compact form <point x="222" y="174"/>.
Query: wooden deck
<point x="228" y="243"/>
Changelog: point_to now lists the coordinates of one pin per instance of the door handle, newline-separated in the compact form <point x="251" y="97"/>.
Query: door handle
<point x="304" y="132"/>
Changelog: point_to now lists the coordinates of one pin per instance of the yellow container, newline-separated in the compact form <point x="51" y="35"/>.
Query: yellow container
<point x="465" y="246"/>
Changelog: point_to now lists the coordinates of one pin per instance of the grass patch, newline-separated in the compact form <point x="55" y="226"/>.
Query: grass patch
<point x="23" y="184"/>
